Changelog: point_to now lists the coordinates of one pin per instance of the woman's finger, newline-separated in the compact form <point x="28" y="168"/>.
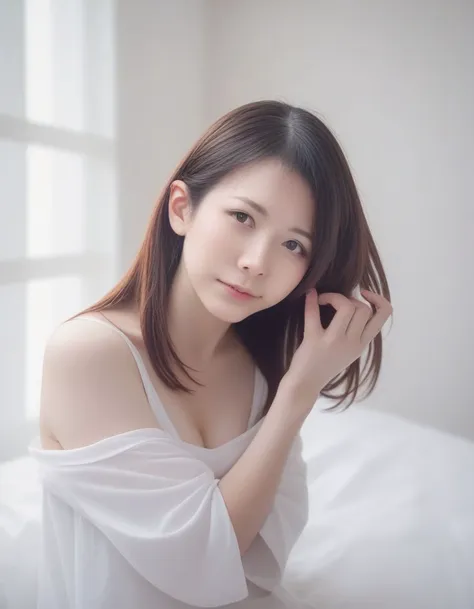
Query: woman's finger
<point x="359" y="320"/>
<point x="345" y="309"/>
<point x="383" y="310"/>
<point x="312" y="319"/>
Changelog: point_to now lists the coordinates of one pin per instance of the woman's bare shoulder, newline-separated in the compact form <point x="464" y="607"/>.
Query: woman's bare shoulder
<point x="91" y="387"/>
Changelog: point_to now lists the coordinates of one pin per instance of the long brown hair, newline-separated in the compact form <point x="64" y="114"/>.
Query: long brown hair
<point x="343" y="257"/>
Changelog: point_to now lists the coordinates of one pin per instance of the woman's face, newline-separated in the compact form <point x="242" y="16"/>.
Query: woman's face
<point x="253" y="231"/>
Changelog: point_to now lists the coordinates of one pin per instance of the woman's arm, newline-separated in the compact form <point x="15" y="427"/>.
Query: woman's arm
<point x="250" y="486"/>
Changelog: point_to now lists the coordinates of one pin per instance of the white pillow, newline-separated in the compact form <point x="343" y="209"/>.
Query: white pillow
<point x="391" y="515"/>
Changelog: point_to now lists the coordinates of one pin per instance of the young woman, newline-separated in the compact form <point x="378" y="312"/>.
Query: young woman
<point x="171" y="409"/>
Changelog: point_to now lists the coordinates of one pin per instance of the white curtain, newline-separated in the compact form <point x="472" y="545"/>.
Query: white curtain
<point x="57" y="186"/>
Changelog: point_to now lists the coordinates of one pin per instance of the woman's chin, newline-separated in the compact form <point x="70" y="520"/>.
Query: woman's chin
<point x="227" y="312"/>
<point x="226" y="315"/>
<point x="227" y="307"/>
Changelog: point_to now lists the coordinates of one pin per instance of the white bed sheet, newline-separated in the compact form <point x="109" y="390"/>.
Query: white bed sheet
<point x="392" y="515"/>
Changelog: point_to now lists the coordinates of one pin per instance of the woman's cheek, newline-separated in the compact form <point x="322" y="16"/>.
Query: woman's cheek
<point x="223" y="235"/>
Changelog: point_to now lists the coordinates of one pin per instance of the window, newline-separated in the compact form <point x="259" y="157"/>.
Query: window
<point x="57" y="185"/>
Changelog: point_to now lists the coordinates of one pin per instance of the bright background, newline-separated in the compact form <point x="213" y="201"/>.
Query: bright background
<point x="99" y="99"/>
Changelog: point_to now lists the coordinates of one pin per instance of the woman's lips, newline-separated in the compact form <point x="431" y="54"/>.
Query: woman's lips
<point x="237" y="292"/>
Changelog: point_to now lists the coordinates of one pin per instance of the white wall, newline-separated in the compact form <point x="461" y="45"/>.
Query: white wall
<point x="394" y="81"/>
<point x="160" y="96"/>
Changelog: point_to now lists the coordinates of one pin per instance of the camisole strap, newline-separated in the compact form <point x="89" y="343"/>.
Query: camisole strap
<point x="152" y="396"/>
<point x="156" y="405"/>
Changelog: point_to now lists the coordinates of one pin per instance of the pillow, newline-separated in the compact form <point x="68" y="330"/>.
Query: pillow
<point x="391" y="515"/>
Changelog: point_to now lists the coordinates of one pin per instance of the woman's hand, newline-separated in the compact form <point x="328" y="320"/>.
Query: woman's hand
<point x="324" y="353"/>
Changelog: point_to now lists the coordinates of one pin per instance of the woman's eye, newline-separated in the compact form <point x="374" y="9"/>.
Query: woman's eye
<point x="294" y="247"/>
<point x="240" y="216"/>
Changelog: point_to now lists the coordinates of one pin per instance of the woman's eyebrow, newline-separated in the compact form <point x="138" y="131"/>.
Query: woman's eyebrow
<point x="261" y="210"/>
<point x="257" y="207"/>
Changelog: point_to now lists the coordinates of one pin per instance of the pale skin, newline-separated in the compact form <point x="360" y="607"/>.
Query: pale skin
<point x="91" y="388"/>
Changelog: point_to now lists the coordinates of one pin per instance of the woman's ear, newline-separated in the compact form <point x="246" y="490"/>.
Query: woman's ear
<point x="179" y="207"/>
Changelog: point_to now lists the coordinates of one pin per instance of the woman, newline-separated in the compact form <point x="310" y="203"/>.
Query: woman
<point x="170" y="445"/>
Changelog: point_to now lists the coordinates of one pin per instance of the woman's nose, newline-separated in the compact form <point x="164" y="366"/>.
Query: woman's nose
<point x="254" y="259"/>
